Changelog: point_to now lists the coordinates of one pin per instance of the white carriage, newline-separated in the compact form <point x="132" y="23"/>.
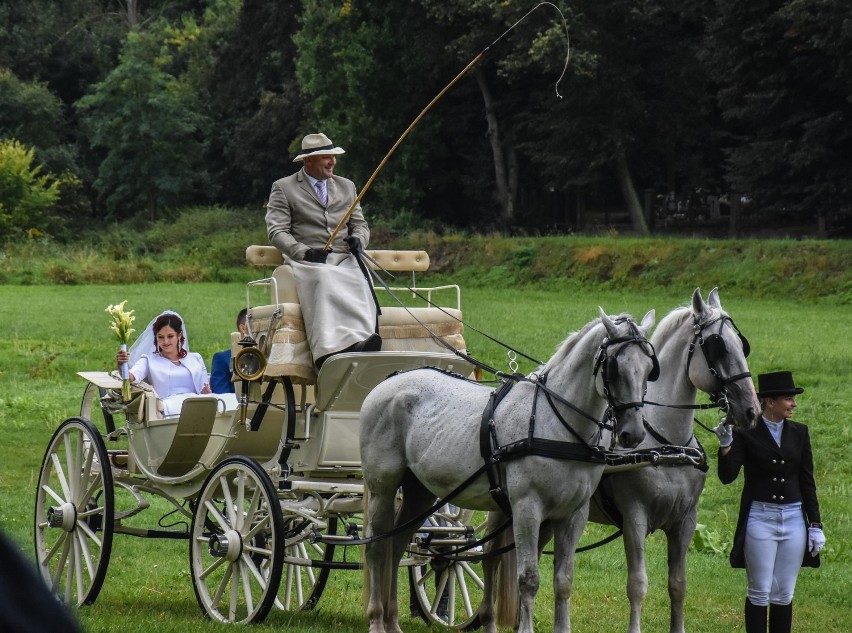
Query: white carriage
<point x="271" y="487"/>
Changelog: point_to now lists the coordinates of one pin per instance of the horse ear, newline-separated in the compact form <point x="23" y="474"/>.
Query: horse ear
<point x="648" y="321"/>
<point x="713" y="299"/>
<point x="608" y="324"/>
<point x="698" y="305"/>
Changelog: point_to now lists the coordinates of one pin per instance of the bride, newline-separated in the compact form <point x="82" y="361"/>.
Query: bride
<point x="161" y="357"/>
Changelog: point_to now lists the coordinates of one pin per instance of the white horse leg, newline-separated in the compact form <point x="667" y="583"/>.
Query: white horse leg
<point x="526" y="524"/>
<point x="678" y="544"/>
<point x="635" y="533"/>
<point x="380" y="567"/>
<point x="566" y="536"/>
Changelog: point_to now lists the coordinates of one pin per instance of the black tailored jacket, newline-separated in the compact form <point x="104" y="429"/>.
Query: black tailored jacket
<point x="773" y="474"/>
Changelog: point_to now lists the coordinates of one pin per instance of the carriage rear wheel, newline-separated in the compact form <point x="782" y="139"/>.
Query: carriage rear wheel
<point x="74" y="513"/>
<point x="236" y="543"/>
<point x="449" y="591"/>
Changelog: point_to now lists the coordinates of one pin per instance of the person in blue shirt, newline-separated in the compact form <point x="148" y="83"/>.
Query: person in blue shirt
<point x="220" y="374"/>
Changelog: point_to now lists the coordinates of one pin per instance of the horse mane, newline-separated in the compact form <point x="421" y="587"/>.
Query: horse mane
<point x="565" y="347"/>
<point x="671" y="322"/>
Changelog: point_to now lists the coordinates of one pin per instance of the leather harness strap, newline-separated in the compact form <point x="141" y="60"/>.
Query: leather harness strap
<point x="493" y="453"/>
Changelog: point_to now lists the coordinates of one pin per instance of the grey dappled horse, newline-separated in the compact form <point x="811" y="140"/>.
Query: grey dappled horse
<point x="421" y="431"/>
<point x="666" y="497"/>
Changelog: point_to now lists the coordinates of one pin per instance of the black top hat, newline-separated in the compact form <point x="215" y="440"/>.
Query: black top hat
<point x="776" y="383"/>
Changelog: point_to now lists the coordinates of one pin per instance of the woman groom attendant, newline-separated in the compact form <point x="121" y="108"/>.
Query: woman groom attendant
<point x="779" y="529"/>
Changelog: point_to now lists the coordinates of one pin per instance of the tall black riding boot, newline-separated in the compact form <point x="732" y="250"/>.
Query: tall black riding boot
<point x="780" y="618"/>
<point x="755" y="617"/>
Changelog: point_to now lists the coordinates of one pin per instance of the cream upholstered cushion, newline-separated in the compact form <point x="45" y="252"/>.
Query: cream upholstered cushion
<point x="401" y="329"/>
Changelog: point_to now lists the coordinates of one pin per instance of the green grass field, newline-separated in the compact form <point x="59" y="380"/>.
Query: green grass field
<point x="51" y="332"/>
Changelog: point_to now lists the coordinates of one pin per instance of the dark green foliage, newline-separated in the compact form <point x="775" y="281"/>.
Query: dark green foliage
<point x="785" y="92"/>
<point x="255" y="102"/>
<point x="149" y="126"/>
<point x="158" y="104"/>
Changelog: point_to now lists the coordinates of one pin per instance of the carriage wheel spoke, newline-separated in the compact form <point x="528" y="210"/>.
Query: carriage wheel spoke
<point x="247" y="594"/>
<point x="235" y="592"/>
<point x="60" y="475"/>
<point x="303" y="552"/>
<point x="78" y="567"/>
<point x="52" y="494"/>
<point x="255" y="570"/>
<point x="86" y="484"/>
<point x="462" y="582"/>
<point x="239" y="516"/>
<point x="223" y="583"/>
<point x="217" y="562"/>
<point x="228" y="501"/>
<point x="214" y="511"/>
<point x="85" y="554"/>
<point x="472" y="574"/>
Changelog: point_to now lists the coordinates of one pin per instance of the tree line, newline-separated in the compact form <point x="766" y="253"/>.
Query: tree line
<point x="120" y="109"/>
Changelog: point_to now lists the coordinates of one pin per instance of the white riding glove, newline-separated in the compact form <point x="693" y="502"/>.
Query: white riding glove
<point x="724" y="432"/>
<point x="816" y="540"/>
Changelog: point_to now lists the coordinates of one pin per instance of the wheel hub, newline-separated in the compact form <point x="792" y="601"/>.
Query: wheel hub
<point x="64" y="516"/>
<point x="228" y="545"/>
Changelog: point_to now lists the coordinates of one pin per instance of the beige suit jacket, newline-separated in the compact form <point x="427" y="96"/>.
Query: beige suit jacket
<point x="296" y="220"/>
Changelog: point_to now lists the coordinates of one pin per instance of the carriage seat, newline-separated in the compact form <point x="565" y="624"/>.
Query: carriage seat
<point x="401" y="329"/>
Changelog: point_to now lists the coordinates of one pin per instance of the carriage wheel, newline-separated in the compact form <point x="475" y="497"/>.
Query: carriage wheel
<point x="449" y="592"/>
<point x="74" y="513"/>
<point x="236" y="544"/>
<point x="304" y="577"/>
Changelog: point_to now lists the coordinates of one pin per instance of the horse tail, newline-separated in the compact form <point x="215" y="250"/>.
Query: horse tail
<point x="506" y="592"/>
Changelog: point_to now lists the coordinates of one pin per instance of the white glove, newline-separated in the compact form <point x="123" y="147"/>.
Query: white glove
<point x="816" y="540"/>
<point x="724" y="432"/>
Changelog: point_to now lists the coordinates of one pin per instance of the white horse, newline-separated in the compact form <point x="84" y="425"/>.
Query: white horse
<point x="421" y="431"/>
<point x="699" y="348"/>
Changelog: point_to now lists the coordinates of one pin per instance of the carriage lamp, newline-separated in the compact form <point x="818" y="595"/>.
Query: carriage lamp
<point x="249" y="362"/>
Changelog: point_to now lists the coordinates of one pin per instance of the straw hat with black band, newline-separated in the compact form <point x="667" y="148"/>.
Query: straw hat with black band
<point x="317" y="144"/>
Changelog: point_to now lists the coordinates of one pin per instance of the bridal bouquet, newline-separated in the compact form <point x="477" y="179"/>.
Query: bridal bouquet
<point x="120" y="325"/>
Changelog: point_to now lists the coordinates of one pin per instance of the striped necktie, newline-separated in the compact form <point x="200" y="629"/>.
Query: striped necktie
<point x="321" y="192"/>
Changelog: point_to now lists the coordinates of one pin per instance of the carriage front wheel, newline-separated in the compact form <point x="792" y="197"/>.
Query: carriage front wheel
<point x="74" y="513"/>
<point x="237" y="541"/>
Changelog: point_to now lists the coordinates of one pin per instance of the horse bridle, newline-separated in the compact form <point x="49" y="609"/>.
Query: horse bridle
<point x="607" y="364"/>
<point x="714" y="349"/>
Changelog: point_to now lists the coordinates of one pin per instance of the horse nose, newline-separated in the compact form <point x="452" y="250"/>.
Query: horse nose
<point x="626" y="439"/>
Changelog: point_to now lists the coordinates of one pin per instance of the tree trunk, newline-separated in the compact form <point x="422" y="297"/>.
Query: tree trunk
<point x="507" y="211"/>
<point x="628" y="191"/>
<point x="131" y="13"/>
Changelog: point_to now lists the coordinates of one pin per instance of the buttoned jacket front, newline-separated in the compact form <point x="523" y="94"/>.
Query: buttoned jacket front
<point x="296" y="219"/>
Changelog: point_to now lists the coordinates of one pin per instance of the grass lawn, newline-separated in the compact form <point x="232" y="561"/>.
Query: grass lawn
<point x="51" y="332"/>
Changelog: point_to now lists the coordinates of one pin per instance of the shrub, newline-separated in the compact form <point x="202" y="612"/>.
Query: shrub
<point x="26" y="195"/>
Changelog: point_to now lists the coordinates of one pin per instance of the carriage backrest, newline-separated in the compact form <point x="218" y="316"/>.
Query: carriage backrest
<point x="284" y="288"/>
<point x="191" y="436"/>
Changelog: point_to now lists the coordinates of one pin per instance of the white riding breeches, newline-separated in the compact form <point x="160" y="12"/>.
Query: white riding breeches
<point x="776" y="537"/>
